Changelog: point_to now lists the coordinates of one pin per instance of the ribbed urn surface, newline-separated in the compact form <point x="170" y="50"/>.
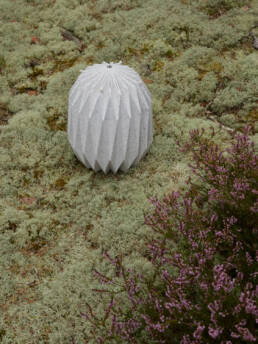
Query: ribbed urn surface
<point x="109" y="117"/>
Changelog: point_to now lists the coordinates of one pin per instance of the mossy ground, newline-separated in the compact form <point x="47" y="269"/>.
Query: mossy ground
<point x="199" y="63"/>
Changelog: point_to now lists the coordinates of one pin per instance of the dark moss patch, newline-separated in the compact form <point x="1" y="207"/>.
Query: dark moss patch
<point x="36" y="72"/>
<point x="216" y="8"/>
<point x="5" y="114"/>
<point x="158" y="66"/>
<point x="252" y="115"/>
<point x="55" y="124"/>
<point x="38" y="173"/>
<point x="215" y="67"/>
<point x="23" y="89"/>
<point x="32" y="63"/>
<point x="61" y="65"/>
<point x="42" y="85"/>
<point x="2" y="63"/>
<point x="35" y="245"/>
<point x="12" y="226"/>
<point x="60" y="183"/>
<point x="2" y="333"/>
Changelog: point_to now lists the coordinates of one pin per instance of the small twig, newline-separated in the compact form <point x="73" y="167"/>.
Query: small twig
<point x="69" y="36"/>
<point x="212" y="118"/>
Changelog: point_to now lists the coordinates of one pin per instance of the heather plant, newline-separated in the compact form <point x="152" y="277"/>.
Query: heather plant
<point x="204" y="290"/>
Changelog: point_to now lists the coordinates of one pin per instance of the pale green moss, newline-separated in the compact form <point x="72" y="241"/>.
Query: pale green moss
<point x="24" y="119"/>
<point x="239" y="91"/>
<point x="56" y="216"/>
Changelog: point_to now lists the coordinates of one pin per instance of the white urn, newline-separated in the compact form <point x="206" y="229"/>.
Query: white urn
<point x="110" y="123"/>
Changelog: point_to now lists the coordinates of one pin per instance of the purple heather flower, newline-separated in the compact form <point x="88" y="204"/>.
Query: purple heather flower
<point x="198" y="332"/>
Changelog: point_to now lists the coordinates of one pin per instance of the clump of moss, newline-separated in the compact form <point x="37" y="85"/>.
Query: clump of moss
<point x="237" y="92"/>
<point x="215" y="8"/>
<point x="25" y="119"/>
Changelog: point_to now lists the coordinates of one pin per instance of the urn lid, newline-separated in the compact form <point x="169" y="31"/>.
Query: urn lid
<point x="110" y="77"/>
